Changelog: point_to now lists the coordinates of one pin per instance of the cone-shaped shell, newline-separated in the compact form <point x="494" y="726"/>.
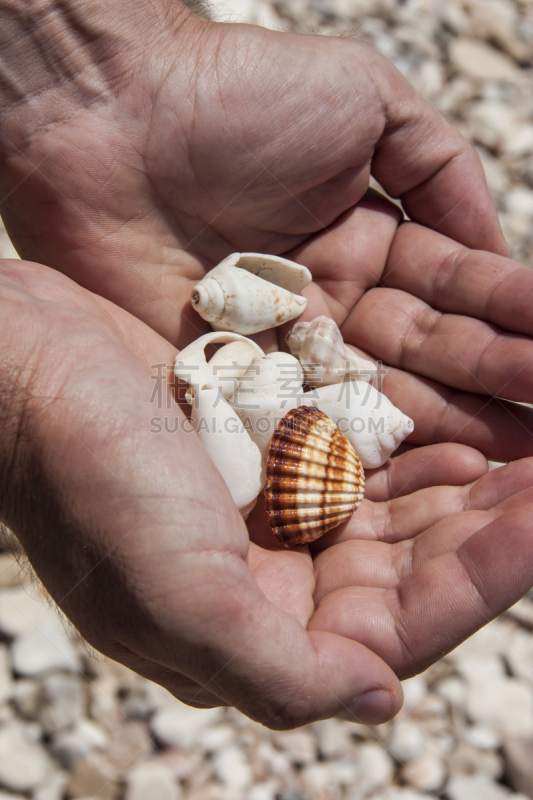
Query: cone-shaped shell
<point x="324" y="356"/>
<point x="250" y="292"/>
<point x="314" y="477"/>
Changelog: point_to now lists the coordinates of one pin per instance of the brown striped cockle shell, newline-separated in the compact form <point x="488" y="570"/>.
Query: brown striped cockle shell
<point x="314" y="477"/>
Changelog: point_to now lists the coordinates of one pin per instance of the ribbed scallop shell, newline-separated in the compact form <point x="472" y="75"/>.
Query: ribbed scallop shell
<point x="314" y="477"/>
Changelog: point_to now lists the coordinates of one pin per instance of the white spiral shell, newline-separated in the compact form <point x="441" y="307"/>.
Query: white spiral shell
<point x="250" y="292"/>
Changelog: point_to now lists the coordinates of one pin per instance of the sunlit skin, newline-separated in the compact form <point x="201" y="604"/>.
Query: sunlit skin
<point x="179" y="142"/>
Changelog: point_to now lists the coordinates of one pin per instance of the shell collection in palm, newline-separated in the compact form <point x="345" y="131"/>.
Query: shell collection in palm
<point x="306" y="449"/>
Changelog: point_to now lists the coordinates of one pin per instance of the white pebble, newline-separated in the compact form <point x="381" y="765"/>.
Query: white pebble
<point x="44" y="648"/>
<point x="232" y="768"/>
<point x="152" y="780"/>
<point x="23" y="762"/>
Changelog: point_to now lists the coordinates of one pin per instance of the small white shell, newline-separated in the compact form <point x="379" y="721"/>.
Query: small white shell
<point x="267" y="391"/>
<point x="370" y="422"/>
<point x="324" y="356"/>
<point x="224" y="369"/>
<point x="229" y="447"/>
<point x="274" y="269"/>
<point x="249" y="292"/>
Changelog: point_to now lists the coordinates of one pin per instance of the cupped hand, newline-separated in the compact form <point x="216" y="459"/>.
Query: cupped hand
<point x="133" y="531"/>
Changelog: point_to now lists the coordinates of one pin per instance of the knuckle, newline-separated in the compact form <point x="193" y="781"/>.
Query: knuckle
<point x="288" y="713"/>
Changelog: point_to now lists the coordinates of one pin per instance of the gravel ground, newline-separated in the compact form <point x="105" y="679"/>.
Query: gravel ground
<point x="73" y="725"/>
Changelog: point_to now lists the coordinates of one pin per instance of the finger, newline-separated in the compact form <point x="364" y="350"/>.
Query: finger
<point x="354" y="563"/>
<point x="432" y="168"/>
<point x="501" y="430"/>
<point x="443" y="602"/>
<point x="285" y="576"/>
<point x="408" y="516"/>
<point x="453" y="279"/>
<point x="348" y="257"/>
<point x="376" y="564"/>
<point x="186" y="690"/>
<point x="463" y="352"/>
<point x="422" y="467"/>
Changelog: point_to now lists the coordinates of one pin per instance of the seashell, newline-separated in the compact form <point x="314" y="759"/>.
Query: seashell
<point x="324" y="356"/>
<point x="314" y="477"/>
<point x="271" y="386"/>
<point x="229" y="447"/>
<point x="224" y="369"/>
<point x="368" y="419"/>
<point x="249" y="292"/>
<point x="274" y="269"/>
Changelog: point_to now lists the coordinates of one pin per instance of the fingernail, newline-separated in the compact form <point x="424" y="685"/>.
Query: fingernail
<point x="370" y="708"/>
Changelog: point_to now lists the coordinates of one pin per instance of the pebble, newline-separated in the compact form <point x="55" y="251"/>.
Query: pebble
<point x="468" y="760"/>
<point x="104" y="705"/>
<point x="53" y="788"/>
<point x="317" y="778"/>
<point x="481" y="668"/>
<point x="375" y="768"/>
<point x="179" y="725"/>
<point x="268" y="790"/>
<point x="44" y="648"/>
<point x="232" y="768"/>
<point x="182" y="764"/>
<point x="406" y="741"/>
<point x="21" y="608"/>
<point x="11" y="573"/>
<point x="301" y="745"/>
<point x="63" y="699"/>
<point x="453" y="690"/>
<point x="6" y="679"/>
<point x="414" y="692"/>
<point x="427" y="772"/>
<point x="519" y="766"/>
<point x="404" y="794"/>
<point x="75" y="745"/>
<point x="215" y="738"/>
<point x="480" y="61"/>
<point x="333" y="737"/>
<point x="129" y="743"/>
<point x="273" y="760"/>
<point x="24" y="763"/>
<point x="478" y="787"/>
<point x="482" y="737"/>
<point x="26" y="697"/>
<point x="94" y="777"/>
<point x="504" y="703"/>
<point x="152" y="781"/>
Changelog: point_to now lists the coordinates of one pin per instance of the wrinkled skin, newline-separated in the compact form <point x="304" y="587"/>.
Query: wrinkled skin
<point x="148" y="154"/>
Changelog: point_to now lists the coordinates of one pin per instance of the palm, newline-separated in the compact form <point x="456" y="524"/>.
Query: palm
<point x="412" y="573"/>
<point x="136" y="196"/>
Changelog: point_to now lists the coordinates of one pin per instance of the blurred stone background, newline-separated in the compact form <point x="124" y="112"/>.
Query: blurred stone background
<point x="73" y="725"/>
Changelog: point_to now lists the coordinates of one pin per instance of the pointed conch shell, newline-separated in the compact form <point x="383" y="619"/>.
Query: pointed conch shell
<point x="223" y="370"/>
<point x="324" y="356"/>
<point x="271" y="386"/>
<point x="314" y="477"/>
<point x="368" y="419"/>
<point x="250" y="292"/>
<point x="229" y="447"/>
